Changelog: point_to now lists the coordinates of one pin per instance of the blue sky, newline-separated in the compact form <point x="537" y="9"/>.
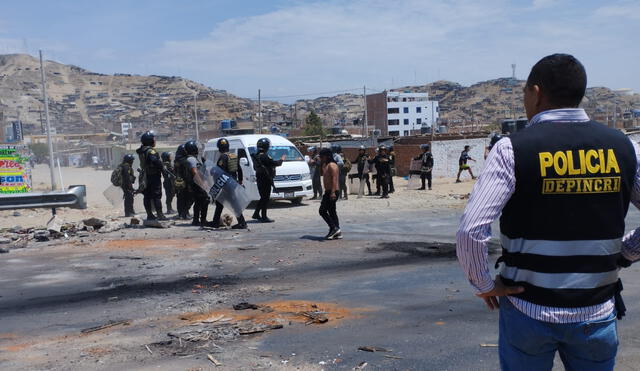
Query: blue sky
<point x="292" y="47"/>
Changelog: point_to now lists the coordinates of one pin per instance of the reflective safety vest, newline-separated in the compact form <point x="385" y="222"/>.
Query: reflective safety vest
<point x="563" y="226"/>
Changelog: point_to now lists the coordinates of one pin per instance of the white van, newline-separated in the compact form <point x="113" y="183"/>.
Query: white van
<point x="293" y="179"/>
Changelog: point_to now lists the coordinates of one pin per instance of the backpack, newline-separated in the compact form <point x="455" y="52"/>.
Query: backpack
<point x="116" y="176"/>
<point x="347" y="164"/>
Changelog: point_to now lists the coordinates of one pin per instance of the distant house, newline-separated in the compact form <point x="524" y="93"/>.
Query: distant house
<point x="401" y="113"/>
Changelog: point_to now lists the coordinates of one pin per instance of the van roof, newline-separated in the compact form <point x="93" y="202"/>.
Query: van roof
<point x="250" y="140"/>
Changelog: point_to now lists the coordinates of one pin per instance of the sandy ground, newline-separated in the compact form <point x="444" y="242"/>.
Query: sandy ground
<point x="445" y="194"/>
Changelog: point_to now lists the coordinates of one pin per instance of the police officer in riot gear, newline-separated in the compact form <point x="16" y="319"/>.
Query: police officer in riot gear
<point x="228" y="162"/>
<point x="200" y="197"/>
<point x="168" y="181"/>
<point x="151" y="178"/>
<point x="383" y="169"/>
<point x="183" y="193"/>
<point x="362" y="162"/>
<point x="426" y="165"/>
<point x="344" y="167"/>
<point x="265" y="167"/>
<point x="128" y="179"/>
<point x="392" y="165"/>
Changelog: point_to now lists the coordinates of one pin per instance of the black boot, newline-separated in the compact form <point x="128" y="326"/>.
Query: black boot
<point x="148" y="207"/>
<point x="158" y="205"/>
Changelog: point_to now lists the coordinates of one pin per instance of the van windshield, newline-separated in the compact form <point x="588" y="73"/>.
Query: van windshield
<point x="276" y="152"/>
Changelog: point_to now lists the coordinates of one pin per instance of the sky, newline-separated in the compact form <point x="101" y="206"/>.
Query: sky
<point x="297" y="49"/>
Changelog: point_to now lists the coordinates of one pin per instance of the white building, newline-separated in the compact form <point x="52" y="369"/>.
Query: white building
<point x="401" y="113"/>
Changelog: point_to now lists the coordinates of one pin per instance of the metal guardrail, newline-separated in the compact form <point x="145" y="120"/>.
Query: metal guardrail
<point x="75" y="197"/>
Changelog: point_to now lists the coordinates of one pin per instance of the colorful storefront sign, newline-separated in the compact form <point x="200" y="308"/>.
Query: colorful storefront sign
<point x="15" y="172"/>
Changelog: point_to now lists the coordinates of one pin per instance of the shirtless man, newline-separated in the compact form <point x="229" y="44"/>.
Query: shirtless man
<point x="330" y="175"/>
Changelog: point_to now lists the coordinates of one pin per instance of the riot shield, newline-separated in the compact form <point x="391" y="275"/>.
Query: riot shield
<point x="353" y="181"/>
<point x="221" y="187"/>
<point x="414" y="175"/>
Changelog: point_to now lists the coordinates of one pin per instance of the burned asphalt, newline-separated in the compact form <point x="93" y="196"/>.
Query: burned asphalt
<point x="391" y="285"/>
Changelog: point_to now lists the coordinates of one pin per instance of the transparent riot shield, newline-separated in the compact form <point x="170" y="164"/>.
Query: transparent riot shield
<point x="414" y="174"/>
<point x="221" y="187"/>
<point x="353" y="181"/>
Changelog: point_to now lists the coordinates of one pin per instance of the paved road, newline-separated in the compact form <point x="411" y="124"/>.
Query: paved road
<point x="396" y="271"/>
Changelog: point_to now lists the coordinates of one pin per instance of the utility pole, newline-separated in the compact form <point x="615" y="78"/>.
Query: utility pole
<point x="433" y="123"/>
<point x="259" y="113"/>
<point x="195" y="113"/>
<point x="364" y="124"/>
<point x="46" y="113"/>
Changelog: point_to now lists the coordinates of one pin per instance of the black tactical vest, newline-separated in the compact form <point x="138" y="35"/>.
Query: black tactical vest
<point x="563" y="226"/>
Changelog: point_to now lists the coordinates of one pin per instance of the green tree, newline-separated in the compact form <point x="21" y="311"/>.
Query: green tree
<point x="313" y="125"/>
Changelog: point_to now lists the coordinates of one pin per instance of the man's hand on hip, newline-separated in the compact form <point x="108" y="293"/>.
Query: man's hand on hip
<point x="491" y="297"/>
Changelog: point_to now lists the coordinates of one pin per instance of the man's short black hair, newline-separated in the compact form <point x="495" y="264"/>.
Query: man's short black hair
<point x="326" y="152"/>
<point x="561" y="77"/>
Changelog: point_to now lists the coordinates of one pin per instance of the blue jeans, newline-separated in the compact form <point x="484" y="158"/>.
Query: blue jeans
<point x="529" y="344"/>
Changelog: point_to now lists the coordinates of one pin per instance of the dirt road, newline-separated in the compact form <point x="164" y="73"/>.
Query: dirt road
<point x="390" y="296"/>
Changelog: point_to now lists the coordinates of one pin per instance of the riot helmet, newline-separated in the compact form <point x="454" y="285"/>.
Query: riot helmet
<point x="425" y="147"/>
<point x="311" y="149"/>
<point x="223" y="145"/>
<point x="166" y="156"/>
<point x="263" y="144"/>
<point x="363" y="148"/>
<point x="128" y="158"/>
<point x="336" y="148"/>
<point x="148" y="138"/>
<point x="382" y="148"/>
<point x="191" y="147"/>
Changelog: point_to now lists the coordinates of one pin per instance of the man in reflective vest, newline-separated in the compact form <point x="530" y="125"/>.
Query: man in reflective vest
<point x="563" y="185"/>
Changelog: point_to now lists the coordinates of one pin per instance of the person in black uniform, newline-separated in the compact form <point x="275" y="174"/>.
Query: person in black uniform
<point x="168" y="181"/>
<point x="152" y="169"/>
<point x="362" y="161"/>
<point x="383" y="169"/>
<point x="426" y="165"/>
<point x="128" y="179"/>
<point x="199" y="195"/>
<point x="314" y="167"/>
<point x="392" y="167"/>
<point x="183" y="199"/>
<point x="228" y="162"/>
<point x="265" y="168"/>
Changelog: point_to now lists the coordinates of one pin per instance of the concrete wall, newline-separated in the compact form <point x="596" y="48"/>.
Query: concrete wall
<point x="446" y="155"/>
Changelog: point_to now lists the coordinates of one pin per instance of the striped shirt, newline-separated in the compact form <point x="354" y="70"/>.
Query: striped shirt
<point x="491" y="193"/>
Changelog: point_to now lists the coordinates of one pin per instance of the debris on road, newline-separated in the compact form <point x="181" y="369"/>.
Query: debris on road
<point x="315" y="317"/>
<point x="213" y="360"/>
<point x="3" y="250"/>
<point x="107" y="325"/>
<point x="392" y="357"/>
<point x="486" y="345"/>
<point x="360" y="366"/>
<point x="150" y="352"/>
<point x="96" y="223"/>
<point x="373" y="349"/>
<point x="245" y="305"/>
<point x="125" y="257"/>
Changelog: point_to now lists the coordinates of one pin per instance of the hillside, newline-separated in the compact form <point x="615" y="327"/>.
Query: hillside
<point x="83" y="101"/>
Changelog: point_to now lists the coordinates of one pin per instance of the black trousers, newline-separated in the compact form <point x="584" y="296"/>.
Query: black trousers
<point x="383" y="183"/>
<point x="200" y="207"/>
<point x="426" y="176"/>
<point x="317" y="184"/>
<point x="342" y="182"/>
<point x="264" y="189"/>
<point x="390" y="182"/>
<point x="128" y="202"/>
<point x="328" y="210"/>
<point x="169" y="194"/>
<point x="153" y="195"/>
<point x="184" y="202"/>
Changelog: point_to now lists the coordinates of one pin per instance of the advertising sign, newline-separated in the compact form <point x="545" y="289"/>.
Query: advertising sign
<point x="15" y="173"/>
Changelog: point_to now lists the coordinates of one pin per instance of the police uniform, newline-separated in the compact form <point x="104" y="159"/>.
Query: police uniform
<point x="198" y="195"/>
<point x="228" y="162"/>
<point x="392" y="170"/>
<point x="314" y="166"/>
<point x="152" y="171"/>
<point x="128" y="179"/>
<point x="426" y="168"/>
<point x="265" y="172"/>
<point x="383" y="170"/>
<point x="169" y="186"/>
<point x="563" y="225"/>
<point x="362" y="163"/>
<point x="183" y="195"/>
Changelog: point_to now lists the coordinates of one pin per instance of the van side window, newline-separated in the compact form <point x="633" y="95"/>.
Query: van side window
<point x="242" y="153"/>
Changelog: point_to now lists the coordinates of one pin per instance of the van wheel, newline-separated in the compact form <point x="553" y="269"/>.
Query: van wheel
<point x="296" y="201"/>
